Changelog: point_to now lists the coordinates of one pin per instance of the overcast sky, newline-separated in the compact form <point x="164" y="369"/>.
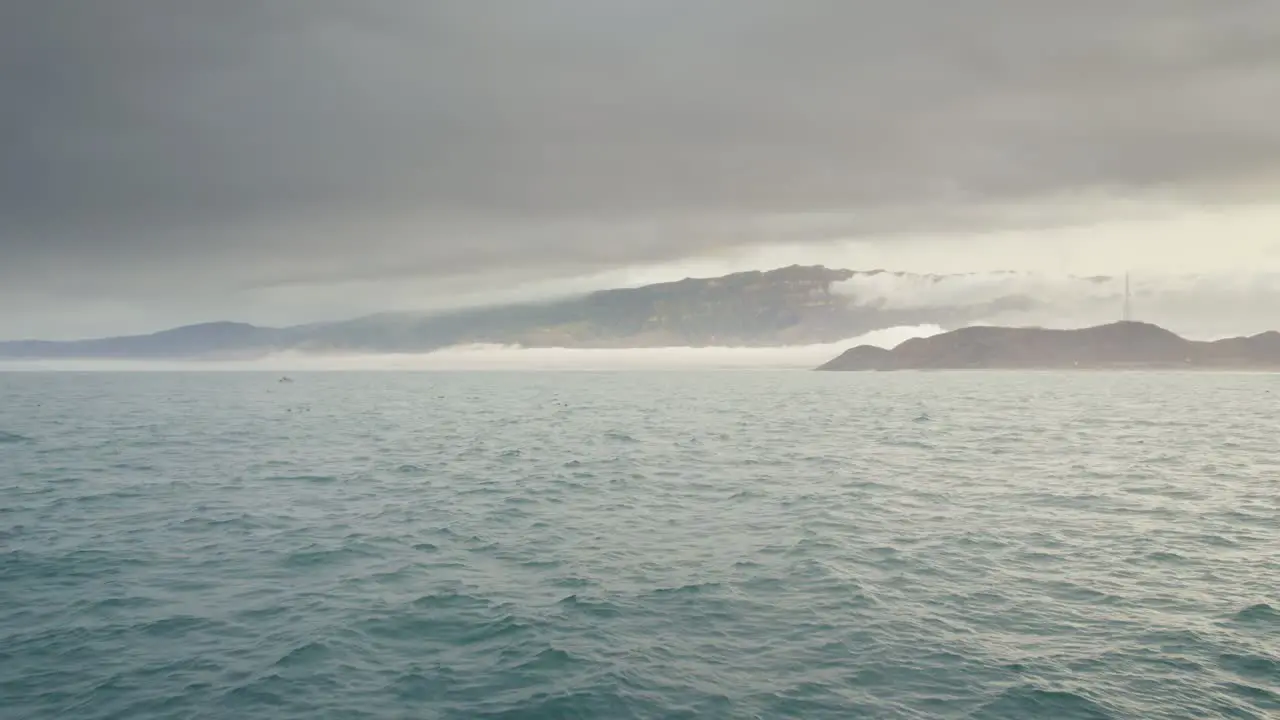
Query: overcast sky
<point x="169" y="161"/>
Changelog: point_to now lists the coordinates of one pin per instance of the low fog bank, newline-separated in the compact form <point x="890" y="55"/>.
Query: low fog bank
<point x="1196" y="306"/>
<point x="499" y="357"/>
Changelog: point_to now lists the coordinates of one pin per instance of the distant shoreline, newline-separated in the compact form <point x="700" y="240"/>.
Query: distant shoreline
<point x="1125" y="346"/>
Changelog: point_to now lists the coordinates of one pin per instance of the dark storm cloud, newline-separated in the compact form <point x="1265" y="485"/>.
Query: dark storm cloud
<point x="164" y="145"/>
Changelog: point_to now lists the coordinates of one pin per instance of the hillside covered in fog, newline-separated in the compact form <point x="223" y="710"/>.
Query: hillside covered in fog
<point x="796" y="305"/>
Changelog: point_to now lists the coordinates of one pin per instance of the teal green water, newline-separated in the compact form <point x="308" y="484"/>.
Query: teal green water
<point x="640" y="545"/>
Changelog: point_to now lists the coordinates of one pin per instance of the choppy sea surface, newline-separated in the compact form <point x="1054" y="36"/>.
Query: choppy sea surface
<point x="735" y="544"/>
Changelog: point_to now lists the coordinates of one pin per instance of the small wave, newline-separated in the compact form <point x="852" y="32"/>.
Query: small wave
<point x="130" y="603"/>
<point x="418" y="688"/>
<point x="449" y="600"/>
<point x="1164" y="556"/>
<point x="8" y="437"/>
<point x="596" y="702"/>
<point x="573" y="582"/>
<point x="1256" y="696"/>
<point x="690" y="589"/>
<point x="1260" y="613"/>
<point x="911" y="444"/>
<point x="316" y="556"/>
<point x="1218" y="541"/>
<point x="549" y="660"/>
<point x="1163" y="459"/>
<point x="1023" y="701"/>
<point x="317" y="479"/>
<point x="599" y="608"/>
<point x="455" y="620"/>
<point x="304" y="655"/>
<point x="1256" y="667"/>
<point x="177" y="626"/>
<point x="203" y="524"/>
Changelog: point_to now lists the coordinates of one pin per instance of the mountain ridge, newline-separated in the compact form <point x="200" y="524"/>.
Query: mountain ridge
<point x="791" y="305"/>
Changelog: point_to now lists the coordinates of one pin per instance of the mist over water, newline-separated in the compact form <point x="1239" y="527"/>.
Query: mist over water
<point x="1205" y="306"/>
<point x="499" y="357"/>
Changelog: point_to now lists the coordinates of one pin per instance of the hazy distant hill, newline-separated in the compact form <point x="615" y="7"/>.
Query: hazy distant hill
<point x="220" y="339"/>
<point x="1112" y="346"/>
<point x="792" y="305"/>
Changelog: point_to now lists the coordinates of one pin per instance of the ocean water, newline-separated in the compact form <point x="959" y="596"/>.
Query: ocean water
<point x="737" y="544"/>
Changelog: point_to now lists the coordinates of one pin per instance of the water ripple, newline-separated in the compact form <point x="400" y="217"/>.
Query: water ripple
<point x="631" y="545"/>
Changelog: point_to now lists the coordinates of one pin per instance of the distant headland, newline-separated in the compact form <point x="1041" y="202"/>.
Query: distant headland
<point x="793" y="305"/>
<point x="1119" y="345"/>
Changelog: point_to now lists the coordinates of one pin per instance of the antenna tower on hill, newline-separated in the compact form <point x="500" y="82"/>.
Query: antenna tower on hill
<point x="1128" y="314"/>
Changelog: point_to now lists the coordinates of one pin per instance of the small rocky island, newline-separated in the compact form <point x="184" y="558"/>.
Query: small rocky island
<point x="1120" y="345"/>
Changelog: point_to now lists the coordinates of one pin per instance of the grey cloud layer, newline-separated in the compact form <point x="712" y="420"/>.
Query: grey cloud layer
<point x="156" y="144"/>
